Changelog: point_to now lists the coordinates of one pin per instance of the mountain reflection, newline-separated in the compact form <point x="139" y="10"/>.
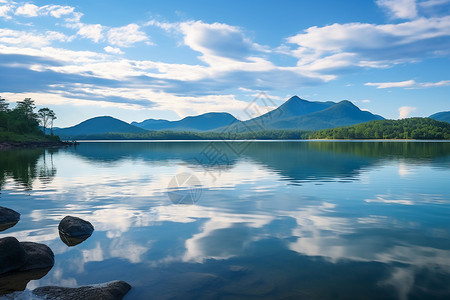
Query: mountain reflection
<point x="294" y="161"/>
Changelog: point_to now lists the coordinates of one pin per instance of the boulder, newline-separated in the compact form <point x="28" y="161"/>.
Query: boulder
<point x="12" y="254"/>
<point x="16" y="256"/>
<point x="108" y="291"/>
<point x="75" y="227"/>
<point x="37" y="256"/>
<point x="8" y="218"/>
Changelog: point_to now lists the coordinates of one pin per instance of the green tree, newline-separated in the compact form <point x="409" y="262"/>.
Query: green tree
<point x="46" y="117"/>
<point x="3" y="105"/>
<point x="27" y="108"/>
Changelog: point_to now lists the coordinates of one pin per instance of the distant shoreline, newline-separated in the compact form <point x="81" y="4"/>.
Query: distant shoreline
<point x="256" y="140"/>
<point x="33" y="144"/>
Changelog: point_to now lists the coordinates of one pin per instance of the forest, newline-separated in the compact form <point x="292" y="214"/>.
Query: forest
<point x="411" y="128"/>
<point x="22" y="123"/>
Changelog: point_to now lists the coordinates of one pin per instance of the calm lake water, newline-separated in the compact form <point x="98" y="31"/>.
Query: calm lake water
<point x="243" y="220"/>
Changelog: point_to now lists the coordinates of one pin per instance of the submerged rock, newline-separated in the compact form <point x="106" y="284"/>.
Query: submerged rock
<point x="16" y="256"/>
<point x="108" y="291"/>
<point x="18" y="281"/>
<point x="8" y="218"/>
<point x="75" y="227"/>
<point x="72" y="241"/>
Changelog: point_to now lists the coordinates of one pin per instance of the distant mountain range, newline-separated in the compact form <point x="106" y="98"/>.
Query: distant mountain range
<point x="294" y="114"/>
<point x="204" y="122"/>
<point x="97" y="125"/>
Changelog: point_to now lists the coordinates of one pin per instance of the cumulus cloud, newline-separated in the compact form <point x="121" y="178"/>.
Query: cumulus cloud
<point x="411" y="84"/>
<point x="217" y="39"/>
<point x="91" y="31"/>
<point x="31" y="10"/>
<point x="27" y="10"/>
<point x="5" y="10"/>
<point x="126" y="36"/>
<point x="405" y="111"/>
<point x="403" y="9"/>
<point x="58" y="11"/>
<point x="337" y="47"/>
<point x="110" y="49"/>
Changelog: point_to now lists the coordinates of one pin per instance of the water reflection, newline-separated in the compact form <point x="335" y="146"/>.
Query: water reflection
<point x="295" y="161"/>
<point x="376" y="227"/>
<point x="23" y="166"/>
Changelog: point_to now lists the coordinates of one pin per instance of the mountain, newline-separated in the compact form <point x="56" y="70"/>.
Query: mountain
<point x="97" y="125"/>
<point x="340" y="114"/>
<point x="441" y="116"/>
<point x="295" y="114"/>
<point x="204" y="122"/>
<point x="300" y="114"/>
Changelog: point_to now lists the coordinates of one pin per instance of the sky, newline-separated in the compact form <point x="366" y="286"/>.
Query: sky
<point x="137" y="59"/>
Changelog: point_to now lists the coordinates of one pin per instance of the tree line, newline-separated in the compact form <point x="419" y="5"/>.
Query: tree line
<point x="22" y="119"/>
<point x="411" y="128"/>
<point x="190" y="135"/>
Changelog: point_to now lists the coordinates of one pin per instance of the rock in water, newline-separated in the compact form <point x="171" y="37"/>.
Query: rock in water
<point x="37" y="256"/>
<point x="12" y="254"/>
<point x="75" y="227"/>
<point x="8" y="218"/>
<point x="108" y="291"/>
<point x="22" y="262"/>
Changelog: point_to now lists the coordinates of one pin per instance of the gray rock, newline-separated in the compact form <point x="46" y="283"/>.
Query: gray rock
<point x="108" y="291"/>
<point x="16" y="256"/>
<point x="12" y="254"/>
<point x="8" y="218"/>
<point x="75" y="227"/>
<point x="37" y="256"/>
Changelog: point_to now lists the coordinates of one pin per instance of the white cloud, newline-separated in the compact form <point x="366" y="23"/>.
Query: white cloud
<point x="217" y="39"/>
<point x="27" y="10"/>
<point x="405" y="111"/>
<point x="91" y="31"/>
<point x="30" y="39"/>
<point x="58" y="11"/>
<point x="403" y="9"/>
<point x="5" y="10"/>
<point x="339" y="46"/>
<point x="126" y="36"/>
<point x="410" y="84"/>
<point x="386" y="85"/>
<point x="431" y="3"/>
<point x="110" y="49"/>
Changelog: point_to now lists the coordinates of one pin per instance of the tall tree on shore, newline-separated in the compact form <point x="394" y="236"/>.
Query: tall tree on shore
<point x="27" y="108"/>
<point x="46" y="117"/>
<point x="52" y="118"/>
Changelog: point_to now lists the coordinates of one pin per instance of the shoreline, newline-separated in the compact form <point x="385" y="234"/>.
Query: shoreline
<point x="33" y="144"/>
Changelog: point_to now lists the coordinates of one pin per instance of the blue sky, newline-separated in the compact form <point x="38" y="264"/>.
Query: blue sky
<point x="169" y="59"/>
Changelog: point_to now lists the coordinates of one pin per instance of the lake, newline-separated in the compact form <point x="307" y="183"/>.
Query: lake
<point x="241" y="220"/>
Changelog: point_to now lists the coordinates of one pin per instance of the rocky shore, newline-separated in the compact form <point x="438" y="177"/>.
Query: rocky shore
<point x="34" y="144"/>
<point x="21" y="262"/>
